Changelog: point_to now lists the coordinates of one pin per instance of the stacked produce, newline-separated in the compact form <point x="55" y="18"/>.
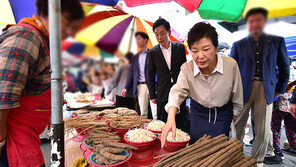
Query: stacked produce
<point x="120" y="111"/>
<point x="106" y="147"/>
<point x="98" y="137"/>
<point x="140" y="135"/>
<point x="86" y="122"/>
<point x="155" y="125"/>
<point x="79" y="97"/>
<point x="180" y="136"/>
<point x="126" y="121"/>
<point x="110" y="152"/>
<point x="210" y="152"/>
<point x="80" y="112"/>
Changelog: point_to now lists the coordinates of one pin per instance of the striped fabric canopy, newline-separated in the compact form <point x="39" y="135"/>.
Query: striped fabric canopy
<point x="105" y="27"/>
<point x="12" y="11"/>
<point x="228" y="10"/>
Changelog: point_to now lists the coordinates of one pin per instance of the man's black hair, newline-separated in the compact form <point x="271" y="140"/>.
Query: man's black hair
<point x="142" y="34"/>
<point x="163" y="22"/>
<point x="129" y="56"/>
<point x="254" y="11"/>
<point x="72" y="9"/>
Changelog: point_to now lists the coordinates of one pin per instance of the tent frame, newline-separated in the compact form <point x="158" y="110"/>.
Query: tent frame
<point x="57" y="140"/>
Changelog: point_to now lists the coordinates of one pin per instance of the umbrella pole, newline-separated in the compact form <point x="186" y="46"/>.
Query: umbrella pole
<point x="132" y="33"/>
<point x="57" y="141"/>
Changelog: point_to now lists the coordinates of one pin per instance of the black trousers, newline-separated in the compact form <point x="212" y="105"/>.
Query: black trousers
<point x="182" y="119"/>
<point x="127" y="102"/>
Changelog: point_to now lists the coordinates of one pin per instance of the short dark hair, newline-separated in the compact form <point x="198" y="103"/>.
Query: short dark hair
<point x="163" y="22"/>
<point x="253" y="11"/>
<point x="222" y="45"/>
<point x="73" y="9"/>
<point x="142" y="34"/>
<point x="129" y="56"/>
<point x="201" y="30"/>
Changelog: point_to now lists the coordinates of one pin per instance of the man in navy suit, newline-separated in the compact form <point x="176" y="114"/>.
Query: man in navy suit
<point x="259" y="56"/>
<point x="137" y="79"/>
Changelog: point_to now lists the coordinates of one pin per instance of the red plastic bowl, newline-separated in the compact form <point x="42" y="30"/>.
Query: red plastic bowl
<point x="87" y="154"/>
<point x="100" y="117"/>
<point x="154" y="131"/>
<point x="143" y="156"/>
<point x="142" y="146"/>
<point x="85" y="146"/>
<point x="120" y="131"/>
<point x="174" y="145"/>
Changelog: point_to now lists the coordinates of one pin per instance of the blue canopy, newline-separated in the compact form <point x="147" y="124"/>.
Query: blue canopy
<point x="102" y="2"/>
<point x="291" y="47"/>
<point x="23" y="8"/>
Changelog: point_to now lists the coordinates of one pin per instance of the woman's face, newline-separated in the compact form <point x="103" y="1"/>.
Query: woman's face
<point x="69" y="27"/>
<point x="204" y="53"/>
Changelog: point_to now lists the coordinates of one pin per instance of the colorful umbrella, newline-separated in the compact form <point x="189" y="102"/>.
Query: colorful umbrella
<point x="111" y="29"/>
<point x="228" y="10"/>
<point x="74" y="52"/>
<point x="77" y="48"/>
<point x="12" y="11"/>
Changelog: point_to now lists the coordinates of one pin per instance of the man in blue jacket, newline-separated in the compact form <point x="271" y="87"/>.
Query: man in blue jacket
<point x="137" y="79"/>
<point x="259" y="56"/>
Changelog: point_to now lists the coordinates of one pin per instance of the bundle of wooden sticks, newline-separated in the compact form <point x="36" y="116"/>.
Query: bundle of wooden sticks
<point x="208" y="152"/>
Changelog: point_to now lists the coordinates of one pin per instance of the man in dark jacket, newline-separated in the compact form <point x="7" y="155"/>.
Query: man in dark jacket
<point x="165" y="60"/>
<point x="258" y="56"/>
<point x="137" y="78"/>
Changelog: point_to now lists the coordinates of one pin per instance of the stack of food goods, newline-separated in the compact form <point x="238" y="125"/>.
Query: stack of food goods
<point x="155" y="126"/>
<point x="79" y="97"/>
<point x="140" y="135"/>
<point x="180" y="136"/>
<point x="98" y="137"/>
<point x="126" y="122"/>
<point x="110" y="152"/>
<point x="80" y="112"/>
<point x="207" y="151"/>
<point x="121" y="111"/>
<point x="86" y="122"/>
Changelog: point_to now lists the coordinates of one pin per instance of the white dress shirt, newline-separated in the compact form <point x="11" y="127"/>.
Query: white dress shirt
<point x="142" y="61"/>
<point x="223" y="85"/>
<point x="167" y="53"/>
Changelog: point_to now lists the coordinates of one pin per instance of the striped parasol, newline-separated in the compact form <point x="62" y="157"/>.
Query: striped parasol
<point x="111" y="29"/>
<point x="74" y="52"/>
<point x="228" y="10"/>
<point x="12" y="11"/>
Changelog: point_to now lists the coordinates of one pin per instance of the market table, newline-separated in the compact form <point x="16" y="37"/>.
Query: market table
<point x="73" y="151"/>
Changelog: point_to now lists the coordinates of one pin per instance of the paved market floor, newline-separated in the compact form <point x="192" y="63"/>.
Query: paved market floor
<point x="289" y="160"/>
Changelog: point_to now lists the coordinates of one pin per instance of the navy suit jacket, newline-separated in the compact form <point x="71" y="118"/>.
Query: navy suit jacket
<point x="275" y="60"/>
<point x="132" y="81"/>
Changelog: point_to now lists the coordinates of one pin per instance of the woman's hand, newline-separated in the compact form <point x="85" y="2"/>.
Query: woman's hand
<point x="123" y="92"/>
<point x="169" y="126"/>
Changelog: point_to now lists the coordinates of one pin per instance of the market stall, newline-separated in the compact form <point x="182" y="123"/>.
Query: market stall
<point x="76" y="101"/>
<point x="119" y="137"/>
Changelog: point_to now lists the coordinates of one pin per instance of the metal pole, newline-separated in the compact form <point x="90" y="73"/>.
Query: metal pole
<point x="132" y="33"/>
<point x="57" y="141"/>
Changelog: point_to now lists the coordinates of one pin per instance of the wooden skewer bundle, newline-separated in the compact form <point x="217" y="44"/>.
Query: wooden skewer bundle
<point x="208" y="152"/>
